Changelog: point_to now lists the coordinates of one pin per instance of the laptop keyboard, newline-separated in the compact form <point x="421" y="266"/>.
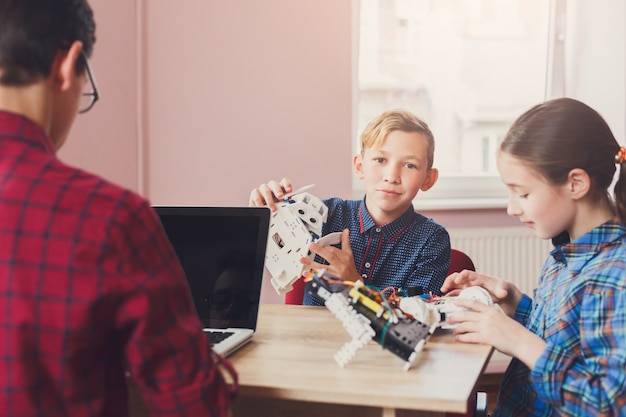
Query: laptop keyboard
<point x="217" y="336"/>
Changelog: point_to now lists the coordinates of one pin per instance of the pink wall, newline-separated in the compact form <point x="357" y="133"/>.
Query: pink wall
<point x="104" y="140"/>
<point x="203" y="100"/>
<point x="196" y="110"/>
<point x="239" y="95"/>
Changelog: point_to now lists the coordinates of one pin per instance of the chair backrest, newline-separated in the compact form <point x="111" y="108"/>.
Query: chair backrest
<point x="459" y="261"/>
<point x="296" y="295"/>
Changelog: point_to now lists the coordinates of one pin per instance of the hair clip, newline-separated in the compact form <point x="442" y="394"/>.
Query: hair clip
<point x="621" y="156"/>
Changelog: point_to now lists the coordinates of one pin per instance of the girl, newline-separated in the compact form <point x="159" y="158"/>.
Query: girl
<point x="568" y="342"/>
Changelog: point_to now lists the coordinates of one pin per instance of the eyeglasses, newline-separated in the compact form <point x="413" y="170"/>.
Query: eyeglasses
<point x="87" y="100"/>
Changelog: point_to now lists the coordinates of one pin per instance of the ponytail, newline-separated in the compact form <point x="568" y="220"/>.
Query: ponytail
<point x="620" y="185"/>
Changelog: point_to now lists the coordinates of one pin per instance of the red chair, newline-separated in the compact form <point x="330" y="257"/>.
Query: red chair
<point x="460" y="261"/>
<point x="296" y="295"/>
<point x="477" y="405"/>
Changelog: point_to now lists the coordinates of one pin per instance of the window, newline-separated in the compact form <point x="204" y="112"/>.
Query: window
<point x="468" y="68"/>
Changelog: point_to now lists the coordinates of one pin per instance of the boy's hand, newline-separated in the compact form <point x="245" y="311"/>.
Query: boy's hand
<point x="504" y="293"/>
<point x="340" y="261"/>
<point x="268" y="194"/>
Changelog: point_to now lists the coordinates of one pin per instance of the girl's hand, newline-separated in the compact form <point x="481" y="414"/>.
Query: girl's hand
<point x="487" y="325"/>
<point x="504" y="293"/>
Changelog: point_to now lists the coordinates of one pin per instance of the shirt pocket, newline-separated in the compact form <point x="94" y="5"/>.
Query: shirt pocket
<point x="561" y="320"/>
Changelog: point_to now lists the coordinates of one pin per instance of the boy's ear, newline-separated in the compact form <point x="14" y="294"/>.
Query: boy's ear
<point x="358" y="165"/>
<point x="578" y="183"/>
<point x="64" y="66"/>
<point x="430" y="180"/>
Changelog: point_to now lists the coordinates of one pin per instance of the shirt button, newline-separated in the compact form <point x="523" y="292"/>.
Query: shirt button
<point x="367" y="264"/>
<point x="364" y="276"/>
<point x="378" y="230"/>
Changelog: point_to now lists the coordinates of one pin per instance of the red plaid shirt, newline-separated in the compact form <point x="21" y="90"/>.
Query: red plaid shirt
<point x="90" y="288"/>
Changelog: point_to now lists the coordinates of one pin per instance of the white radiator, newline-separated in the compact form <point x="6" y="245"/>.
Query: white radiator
<point x="512" y="253"/>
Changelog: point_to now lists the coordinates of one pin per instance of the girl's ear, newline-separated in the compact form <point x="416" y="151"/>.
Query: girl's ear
<point x="579" y="183"/>
<point x="358" y="165"/>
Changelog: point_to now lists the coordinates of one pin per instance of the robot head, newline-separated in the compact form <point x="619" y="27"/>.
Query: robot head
<point x="297" y="222"/>
<point x="310" y="210"/>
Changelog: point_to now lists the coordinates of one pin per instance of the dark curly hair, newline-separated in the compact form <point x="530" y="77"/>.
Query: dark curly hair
<point x="32" y="31"/>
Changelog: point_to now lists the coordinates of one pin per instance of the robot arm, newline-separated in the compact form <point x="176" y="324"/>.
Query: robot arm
<point x="366" y="315"/>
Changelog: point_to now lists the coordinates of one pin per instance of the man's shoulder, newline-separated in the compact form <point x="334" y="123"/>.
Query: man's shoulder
<point x="98" y="195"/>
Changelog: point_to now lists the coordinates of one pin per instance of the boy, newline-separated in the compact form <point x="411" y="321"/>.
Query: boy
<point x="384" y="241"/>
<point x="90" y="287"/>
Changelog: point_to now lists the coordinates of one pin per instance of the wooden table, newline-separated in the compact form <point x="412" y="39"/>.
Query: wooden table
<point x="288" y="369"/>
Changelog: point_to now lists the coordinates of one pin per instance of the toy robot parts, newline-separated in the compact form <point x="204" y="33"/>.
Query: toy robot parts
<point x="435" y="313"/>
<point x="297" y="222"/>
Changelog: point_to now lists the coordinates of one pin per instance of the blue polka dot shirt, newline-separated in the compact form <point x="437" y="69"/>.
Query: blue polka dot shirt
<point x="411" y="253"/>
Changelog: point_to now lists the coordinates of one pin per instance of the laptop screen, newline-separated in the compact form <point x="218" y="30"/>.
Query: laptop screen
<point x="222" y="250"/>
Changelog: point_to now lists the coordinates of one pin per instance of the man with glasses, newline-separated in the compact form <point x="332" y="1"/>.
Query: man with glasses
<point x="90" y="288"/>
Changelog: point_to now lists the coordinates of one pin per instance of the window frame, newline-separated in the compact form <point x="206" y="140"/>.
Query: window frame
<point x="461" y="191"/>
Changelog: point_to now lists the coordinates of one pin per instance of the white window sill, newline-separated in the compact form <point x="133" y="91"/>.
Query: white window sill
<point x="422" y="204"/>
<point x="457" y="192"/>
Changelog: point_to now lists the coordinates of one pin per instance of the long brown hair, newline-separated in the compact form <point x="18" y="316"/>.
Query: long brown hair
<point x="562" y="134"/>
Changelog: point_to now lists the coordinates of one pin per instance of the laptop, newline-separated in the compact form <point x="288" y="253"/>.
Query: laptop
<point x="222" y="250"/>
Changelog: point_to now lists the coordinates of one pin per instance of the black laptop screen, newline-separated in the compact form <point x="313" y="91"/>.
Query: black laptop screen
<point x="222" y="250"/>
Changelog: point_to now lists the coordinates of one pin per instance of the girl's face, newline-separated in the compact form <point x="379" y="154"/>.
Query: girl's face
<point x="546" y="208"/>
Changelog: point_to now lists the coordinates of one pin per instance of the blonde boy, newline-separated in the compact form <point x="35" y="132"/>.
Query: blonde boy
<point x="385" y="242"/>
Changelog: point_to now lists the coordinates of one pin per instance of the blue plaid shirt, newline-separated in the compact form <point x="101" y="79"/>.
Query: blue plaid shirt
<point x="579" y="309"/>
<point x="412" y="252"/>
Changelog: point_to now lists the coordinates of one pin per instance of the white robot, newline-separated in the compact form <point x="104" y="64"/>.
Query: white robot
<point x="297" y="222"/>
<point x="435" y="311"/>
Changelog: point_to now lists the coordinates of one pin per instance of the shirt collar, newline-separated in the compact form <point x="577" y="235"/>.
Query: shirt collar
<point x="390" y="230"/>
<point x="577" y="253"/>
<point x="19" y="128"/>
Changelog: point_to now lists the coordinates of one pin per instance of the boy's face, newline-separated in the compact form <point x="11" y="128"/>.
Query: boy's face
<point x="394" y="173"/>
